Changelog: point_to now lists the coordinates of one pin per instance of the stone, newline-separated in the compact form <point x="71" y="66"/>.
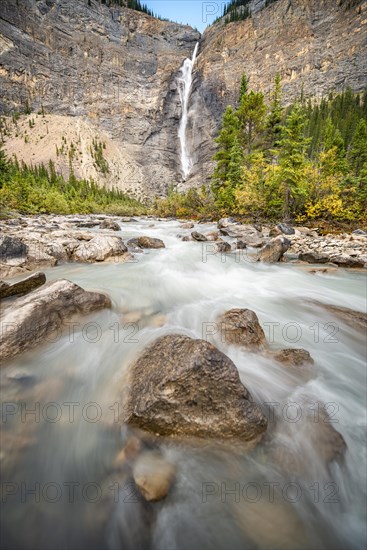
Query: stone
<point x="223" y="247"/>
<point x="188" y="388"/>
<point x="354" y="319"/>
<point x="313" y="258"/>
<point x="22" y="287"/>
<point x="109" y="224"/>
<point x="359" y="232"/>
<point x="274" y="250"/>
<point x="33" y="317"/>
<point x="241" y="245"/>
<point x="146" y="242"/>
<point x="241" y="327"/>
<point x="12" y="248"/>
<point x="198" y="236"/>
<point x="188" y="225"/>
<point x="129" y="452"/>
<point x="286" y="229"/>
<point x="100" y="248"/>
<point x="293" y="357"/>
<point x="153" y="475"/>
<point x="225" y="222"/>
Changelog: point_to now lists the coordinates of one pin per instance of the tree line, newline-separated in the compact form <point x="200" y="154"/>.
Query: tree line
<point x="40" y="190"/>
<point x="307" y="161"/>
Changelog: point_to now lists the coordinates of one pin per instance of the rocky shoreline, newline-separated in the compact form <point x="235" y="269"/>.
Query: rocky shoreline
<point x="32" y="243"/>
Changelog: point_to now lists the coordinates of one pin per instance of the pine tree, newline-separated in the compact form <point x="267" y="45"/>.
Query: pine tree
<point x="274" y="120"/>
<point x="357" y="154"/>
<point x="225" y="141"/>
<point x="251" y="115"/>
<point x="293" y="162"/>
<point x="243" y="87"/>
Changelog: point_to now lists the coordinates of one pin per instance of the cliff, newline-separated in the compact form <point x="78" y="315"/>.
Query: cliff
<point x="106" y="79"/>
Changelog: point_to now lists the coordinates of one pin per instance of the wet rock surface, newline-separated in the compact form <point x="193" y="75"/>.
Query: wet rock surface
<point x="31" y="318"/>
<point x="185" y="387"/>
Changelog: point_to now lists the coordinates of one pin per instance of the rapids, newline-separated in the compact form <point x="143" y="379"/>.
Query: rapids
<point x="58" y="484"/>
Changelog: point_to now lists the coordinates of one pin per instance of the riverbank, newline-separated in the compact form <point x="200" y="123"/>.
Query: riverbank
<point x="32" y="243"/>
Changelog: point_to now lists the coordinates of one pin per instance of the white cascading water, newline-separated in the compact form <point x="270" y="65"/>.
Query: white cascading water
<point x="183" y="288"/>
<point x="184" y="86"/>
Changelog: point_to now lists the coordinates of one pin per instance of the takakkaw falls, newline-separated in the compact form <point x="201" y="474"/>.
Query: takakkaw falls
<point x="183" y="260"/>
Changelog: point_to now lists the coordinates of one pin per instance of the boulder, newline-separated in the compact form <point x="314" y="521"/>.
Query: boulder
<point x="99" y="249"/>
<point x="12" y="248"/>
<point x="185" y="387"/>
<point x="212" y="236"/>
<point x="359" y="232"/>
<point x="188" y="225"/>
<point x="274" y="250"/>
<point x="314" y="432"/>
<point x="241" y="245"/>
<point x="31" y="318"/>
<point x="293" y="357"/>
<point x="22" y="287"/>
<point x="153" y="475"/>
<point x="198" y="236"/>
<point x="313" y="258"/>
<point x="242" y="328"/>
<point x="223" y="247"/>
<point x="286" y="229"/>
<point x="225" y="222"/>
<point x="146" y="242"/>
<point x="109" y="224"/>
<point x="352" y="318"/>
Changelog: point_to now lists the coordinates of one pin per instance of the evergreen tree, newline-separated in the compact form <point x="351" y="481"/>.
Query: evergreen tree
<point x="251" y="115"/>
<point x="243" y="87"/>
<point x="225" y="141"/>
<point x="274" y="120"/>
<point x="293" y="162"/>
<point x="357" y="154"/>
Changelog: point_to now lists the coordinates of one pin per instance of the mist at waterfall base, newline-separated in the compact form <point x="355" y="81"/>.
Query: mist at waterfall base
<point x="184" y="87"/>
<point x="222" y="497"/>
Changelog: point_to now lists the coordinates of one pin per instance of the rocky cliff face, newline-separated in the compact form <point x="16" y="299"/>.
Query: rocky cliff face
<point x="109" y="75"/>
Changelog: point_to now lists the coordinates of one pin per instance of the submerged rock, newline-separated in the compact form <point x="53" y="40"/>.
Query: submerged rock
<point x="109" y="224"/>
<point x="223" y="247"/>
<point x="146" y="242"/>
<point x="185" y="387"/>
<point x="153" y="475"/>
<point x="274" y="250"/>
<point x="198" y="236"/>
<point x="293" y="357"/>
<point x="22" y="287"/>
<point x="354" y="319"/>
<point x="33" y="317"/>
<point x="242" y="328"/>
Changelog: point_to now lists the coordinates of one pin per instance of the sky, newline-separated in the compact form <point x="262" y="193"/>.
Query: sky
<point x="197" y="13"/>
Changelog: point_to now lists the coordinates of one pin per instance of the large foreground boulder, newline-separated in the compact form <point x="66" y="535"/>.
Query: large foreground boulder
<point x="146" y="242"/>
<point x="22" y="287"/>
<point x="185" y="387"/>
<point x="99" y="249"/>
<point x="31" y="318"/>
<point x="274" y="250"/>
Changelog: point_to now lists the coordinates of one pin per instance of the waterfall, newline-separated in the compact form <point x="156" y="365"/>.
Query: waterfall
<point x="184" y="86"/>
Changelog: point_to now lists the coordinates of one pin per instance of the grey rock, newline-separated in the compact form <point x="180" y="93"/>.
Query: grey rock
<point x="31" y="318"/>
<point x="198" y="236"/>
<point x="146" y="242"/>
<point x="241" y="327"/>
<point x="274" y="250"/>
<point x="185" y="387"/>
<point x="22" y="287"/>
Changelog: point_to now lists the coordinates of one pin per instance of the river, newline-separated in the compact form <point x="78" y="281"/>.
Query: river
<point x="58" y="484"/>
